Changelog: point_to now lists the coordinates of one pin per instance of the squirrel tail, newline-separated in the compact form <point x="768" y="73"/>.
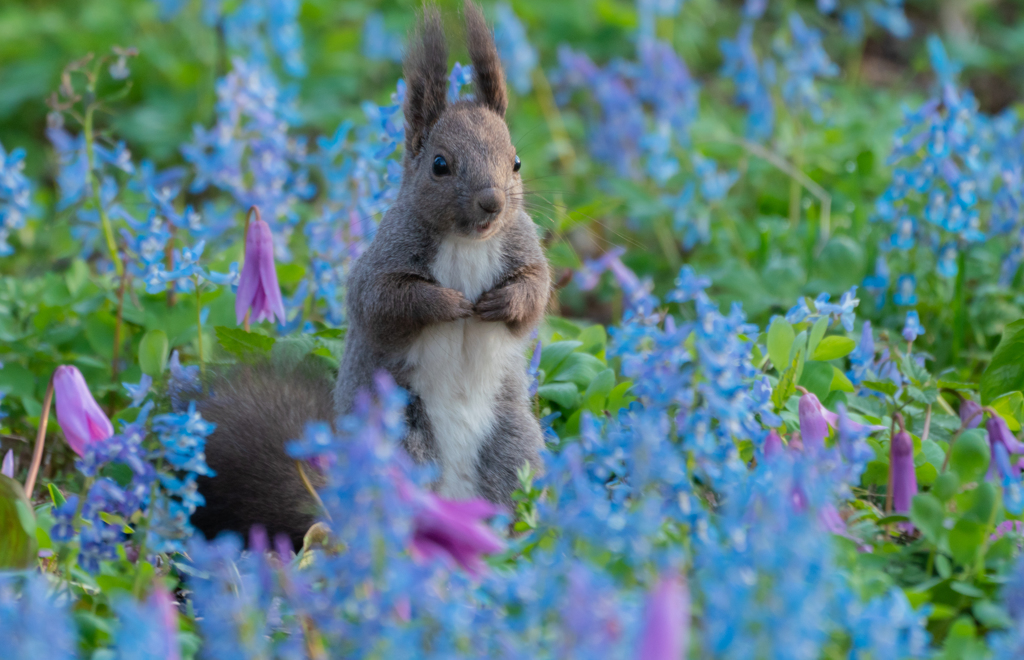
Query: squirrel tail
<point x="258" y="409"/>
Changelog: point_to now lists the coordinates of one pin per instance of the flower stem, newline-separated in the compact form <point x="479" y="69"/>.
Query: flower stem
<point x="117" y="335"/>
<point x="199" y="325"/>
<point x="37" y="454"/>
<point x="90" y="153"/>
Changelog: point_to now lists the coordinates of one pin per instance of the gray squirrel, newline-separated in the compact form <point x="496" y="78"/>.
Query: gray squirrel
<point x="444" y="299"/>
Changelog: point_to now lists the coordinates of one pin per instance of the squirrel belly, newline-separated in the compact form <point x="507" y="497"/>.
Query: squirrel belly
<point x="459" y="369"/>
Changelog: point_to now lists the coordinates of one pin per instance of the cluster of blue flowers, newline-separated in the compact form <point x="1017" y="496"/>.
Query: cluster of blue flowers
<point x="956" y="183"/>
<point x="15" y="196"/>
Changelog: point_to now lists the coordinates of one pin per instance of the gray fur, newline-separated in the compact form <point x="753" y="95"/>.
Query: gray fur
<point x="468" y="228"/>
<point x="258" y="409"/>
<point x="393" y="294"/>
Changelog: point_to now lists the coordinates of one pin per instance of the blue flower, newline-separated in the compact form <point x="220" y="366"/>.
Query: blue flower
<point x="15" y="196"/>
<point x="905" y="295"/>
<point x="378" y="42"/>
<point x="912" y="328"/>
<point x="140" y="391"/>
<point x="518" y="56"/>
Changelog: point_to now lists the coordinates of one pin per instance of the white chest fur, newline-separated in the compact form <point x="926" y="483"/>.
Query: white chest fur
<point x="458" y="368"/>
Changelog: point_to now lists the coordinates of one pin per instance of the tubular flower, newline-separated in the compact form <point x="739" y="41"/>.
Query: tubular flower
<point x="456" y="530"/>
<point x="666" y="627"/>
<point x="970" y="414"/>
<point x="78" y="413"/>
<point x="904" y="479"/>
<point x="258" y="289"/>
<point x="815" y="421"/>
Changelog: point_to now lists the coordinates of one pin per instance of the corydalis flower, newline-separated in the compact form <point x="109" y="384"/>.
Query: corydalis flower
<point x="456" y="530"/>
<point x="78" y="413"/>
<point x="904" y="479"/>
<point x="912" y="329"/>
<point x="666" y="628"/>
<point x="258" y="289"/>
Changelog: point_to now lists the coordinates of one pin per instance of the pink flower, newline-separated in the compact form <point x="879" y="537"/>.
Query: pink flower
<point x="815" y="421"/>
<point x="454" y="530"/>
<point x="1002" y="528"/>
<point x="78" y="413"/>
<point x="998" y="431"/>
<point x="904" y="479"/>
<point x="772" y="444"/>
<point x="8" y="466"/>
<point x="257" y="286"/>
<point x="666" y="630"/>
<point x="167" y="611"/>
<point x="970" y="414"/>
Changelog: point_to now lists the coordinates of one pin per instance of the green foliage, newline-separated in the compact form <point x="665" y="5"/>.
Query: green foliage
<point x="17" y="527"/>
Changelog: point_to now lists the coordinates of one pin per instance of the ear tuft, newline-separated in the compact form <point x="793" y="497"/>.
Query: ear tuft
<point x="426" y="79"/>
<point x="488" y="76"/>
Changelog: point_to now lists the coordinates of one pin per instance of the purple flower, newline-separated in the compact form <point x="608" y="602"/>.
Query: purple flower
<point x="999" y="432"/>
<point x="815" y="421"/>
<point x="666" y="628"/>
<point x="258" y="289"/>
<point x="970" y="414"/>
<point x="772" y="444"/>
<point x="78" y="413"/>
<point x="8" y="466"/>
<point x="456" y="530"/>
<point x="904" y="479"/>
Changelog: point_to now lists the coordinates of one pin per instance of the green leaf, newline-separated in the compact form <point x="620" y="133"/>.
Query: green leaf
<point x="834" y="347"/>
<point x="76" y="277"/>
<point x="600" y="387"/>
<point x="1005" y="372"/>
<point x="945" y="486"/>
<point x="926" y="512"/>
<point x="840" y="383"/>
<point x="18" y="546"/>
<point x="970" y="455"/>
<point x="817" y="332"/>
<point x="619" y="397"/>
<point x="56" y="495"/>
<point x="564" y="327"/>
<point x="967" y="589"/>
<point x="817" y="378"/>
<point x="786" y="386"/>
<point x="925" y="474"/>
<point x="879" y="386"/>
<point x="984" y="503"/>
<point x="241" y="343"/>
<point x="991" y="615"/>
<point x="593" y="339"/>
<point x="780" y="341"/>
<point x="579" y="368"/>
<point x="965" y="538"/>
<point x="564" y="394"/>
<point x="1010" y="407"/>
<point x="153" y="353"/>
<point x="552" y="355"/>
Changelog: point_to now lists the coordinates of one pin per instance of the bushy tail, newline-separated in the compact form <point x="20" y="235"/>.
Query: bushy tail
<point x="258" y="409"/>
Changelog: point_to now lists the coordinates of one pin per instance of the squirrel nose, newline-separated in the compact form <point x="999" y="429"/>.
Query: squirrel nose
<point x="490" y="200"/>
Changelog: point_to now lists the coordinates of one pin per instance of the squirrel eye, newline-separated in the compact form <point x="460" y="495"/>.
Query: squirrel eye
<point x="516" y="164"/>
<point x="441" y="166"/>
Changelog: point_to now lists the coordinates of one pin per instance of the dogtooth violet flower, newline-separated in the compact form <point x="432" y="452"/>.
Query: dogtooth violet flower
<point x="815" y="420"/>
<point x="666" y="625"/>
<point x="78" y="413"/>
<point x="904" y="479"/>
<point x="258" y="289"/>
<point x="454" y="529"/>
<point x="7" y="469"/>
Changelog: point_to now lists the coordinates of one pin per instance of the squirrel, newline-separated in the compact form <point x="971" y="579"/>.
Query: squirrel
<point x="444" y="299"/>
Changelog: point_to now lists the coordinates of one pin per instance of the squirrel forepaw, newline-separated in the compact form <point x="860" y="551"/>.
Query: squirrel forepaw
<point x="498" y="305"/>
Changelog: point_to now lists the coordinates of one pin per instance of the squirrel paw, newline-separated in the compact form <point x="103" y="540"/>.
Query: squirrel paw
<point x="498" y="305"/>
<point x="459" y="307"/>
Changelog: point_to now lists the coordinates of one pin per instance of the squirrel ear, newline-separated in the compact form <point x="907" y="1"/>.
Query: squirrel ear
<point x="488" y="76"/>
<point x="426" y="79"/>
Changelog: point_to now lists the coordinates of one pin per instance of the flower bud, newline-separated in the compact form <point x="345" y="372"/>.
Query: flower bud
<point x="258" y="289"/>
<point x="666" y="630"/>
<point x="904" y="479"/>
<point x="80" y="417"/>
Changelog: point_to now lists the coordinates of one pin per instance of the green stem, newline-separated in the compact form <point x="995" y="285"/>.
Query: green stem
<point x="199" y="325"/>
<point x="144" y="529"/>
<point x="960" y="306"/>
<point x="108" y="230"/>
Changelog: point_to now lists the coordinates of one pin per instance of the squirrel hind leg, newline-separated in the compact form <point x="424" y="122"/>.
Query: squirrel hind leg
<point x="515" y="440"/>
<point x="258" y="409"/>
